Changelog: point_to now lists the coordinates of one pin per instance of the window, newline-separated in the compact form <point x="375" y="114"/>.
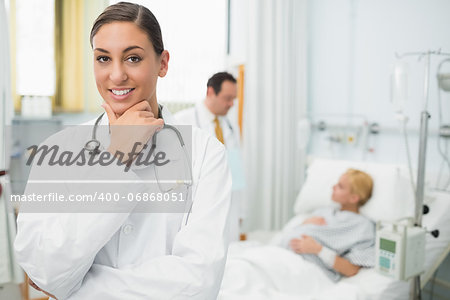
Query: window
<point x="35" y="56"/>
<point x="7" y="7"/>
<point x="194" y="33"/>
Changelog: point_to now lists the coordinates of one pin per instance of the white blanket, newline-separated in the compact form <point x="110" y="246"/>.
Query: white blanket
<point x="261" y="272"/>
<point x="255" y="271"/>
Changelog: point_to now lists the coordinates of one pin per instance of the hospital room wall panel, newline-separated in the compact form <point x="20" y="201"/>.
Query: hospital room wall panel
<point x="386" y="147"/>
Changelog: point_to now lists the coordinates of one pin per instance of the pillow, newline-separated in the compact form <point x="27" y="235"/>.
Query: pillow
<point x="392" y="195"/>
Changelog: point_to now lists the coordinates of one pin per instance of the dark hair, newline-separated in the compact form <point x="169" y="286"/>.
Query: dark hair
<point x="130" y="12"/>
<point x="216" y="80"/>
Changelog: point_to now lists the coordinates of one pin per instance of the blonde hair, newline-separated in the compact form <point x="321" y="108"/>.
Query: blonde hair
<point x="361" y="184"/>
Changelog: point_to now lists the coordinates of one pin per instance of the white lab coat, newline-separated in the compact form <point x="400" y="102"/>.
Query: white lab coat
<point x="199" y="116"/>
<point x="134" y="255"/>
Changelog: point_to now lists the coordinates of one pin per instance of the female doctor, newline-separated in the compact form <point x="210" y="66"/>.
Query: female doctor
<point x="133" y="255"/>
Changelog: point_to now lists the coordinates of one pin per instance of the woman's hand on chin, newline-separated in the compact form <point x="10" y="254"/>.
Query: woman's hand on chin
<point x="133" y="129"/>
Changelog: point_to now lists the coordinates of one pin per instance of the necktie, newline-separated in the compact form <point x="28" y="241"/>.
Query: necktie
<point x="218" y="129"/>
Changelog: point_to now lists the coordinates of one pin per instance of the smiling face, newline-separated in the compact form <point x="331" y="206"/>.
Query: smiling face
<point x="126" y="67"/>
<point x="342" y="192"/>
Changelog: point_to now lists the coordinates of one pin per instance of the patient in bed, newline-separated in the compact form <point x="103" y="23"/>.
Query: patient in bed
<point x="339" y="240"/>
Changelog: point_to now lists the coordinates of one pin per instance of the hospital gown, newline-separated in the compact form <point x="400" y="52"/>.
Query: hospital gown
<point x="351" y="235"/>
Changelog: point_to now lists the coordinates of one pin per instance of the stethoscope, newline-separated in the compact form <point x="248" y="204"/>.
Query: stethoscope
<point x="93" y="147"/>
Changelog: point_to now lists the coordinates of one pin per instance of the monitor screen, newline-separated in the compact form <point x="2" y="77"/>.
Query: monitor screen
<point x="387" y="245"/>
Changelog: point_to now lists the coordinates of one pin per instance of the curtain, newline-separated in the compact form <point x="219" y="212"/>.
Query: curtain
<point x="92" y="99"/>
<point x="75" y="83"/>
<point x="275" y="102"/>
<point x="9" y="270"/>
<point x="69" y="41"/>
<point x="12" y="22"/>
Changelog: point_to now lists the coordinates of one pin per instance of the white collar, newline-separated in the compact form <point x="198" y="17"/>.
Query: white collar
<point x="206" y="117"/>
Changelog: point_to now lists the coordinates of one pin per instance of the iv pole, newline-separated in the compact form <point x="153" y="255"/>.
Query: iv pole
<point x="415" y="290"/>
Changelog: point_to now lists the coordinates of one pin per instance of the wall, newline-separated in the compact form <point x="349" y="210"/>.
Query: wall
<point x="352" y="46"/>
<point x="352" y="50"/>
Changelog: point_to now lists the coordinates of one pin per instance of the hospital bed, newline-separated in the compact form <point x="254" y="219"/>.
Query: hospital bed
<point x="251" y="275"/>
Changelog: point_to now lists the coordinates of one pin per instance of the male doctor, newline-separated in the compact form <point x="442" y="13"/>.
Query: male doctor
<point x="211" y="115"/>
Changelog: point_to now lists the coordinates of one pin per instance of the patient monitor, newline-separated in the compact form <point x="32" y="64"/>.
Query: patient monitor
<point x="400" y="249"/>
